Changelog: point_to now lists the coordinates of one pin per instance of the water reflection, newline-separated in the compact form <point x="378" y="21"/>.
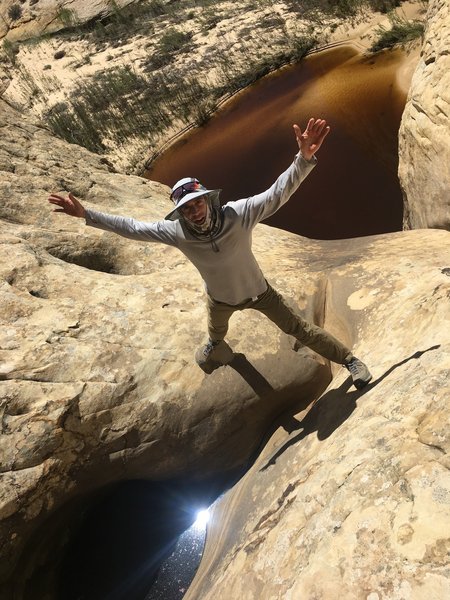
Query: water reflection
<point x="176" y="573"/>
<point x="354" y="191"/>
<point x="139" y="541"/>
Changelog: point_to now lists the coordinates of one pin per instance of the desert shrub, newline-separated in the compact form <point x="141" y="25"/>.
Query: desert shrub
<point x="235" y="74"/>
<point x="341" y="8"/>
<point x="384" y="6"/>
<point x="157" y="8"/>
<point x="14" y="12"/>
<point x="72" y="122"/>
<point x="210" y="19"/>
<point x="346" y="8"/>
<point x="198" y="3"/>
<point x="115" y="104"/>
<point x="122" y="22"/>
<point x="59" y="54"/>
<point x="28" y="83"/>
<point x="173" y="41"/>
<point x="158" y="61"/>
<point x="300" y="46"/>
<point x="10" y="50"/>
<point x="400" y="32"/>
<point x="66" y="17"/>
<point x="119" y="104"/>
<point x="238" y="78"/>
<point x="273" y="20"/>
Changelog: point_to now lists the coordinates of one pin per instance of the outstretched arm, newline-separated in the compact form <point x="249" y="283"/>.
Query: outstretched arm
<point x="70" y="205"/>
<point x="310" y="140"/>
<point x="259" y="207"/>
<point x="159" y="231"/>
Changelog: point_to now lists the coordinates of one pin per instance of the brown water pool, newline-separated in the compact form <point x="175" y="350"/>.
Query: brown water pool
<point x="354" y="190"/>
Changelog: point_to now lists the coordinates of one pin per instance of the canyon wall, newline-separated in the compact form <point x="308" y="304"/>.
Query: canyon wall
<point x="424" y="140"/>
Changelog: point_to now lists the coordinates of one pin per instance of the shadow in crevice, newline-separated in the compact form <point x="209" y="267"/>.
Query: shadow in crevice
<point x="309" y="391"/>
<point x="252" y="376"/>
<point x="332" y="409"/>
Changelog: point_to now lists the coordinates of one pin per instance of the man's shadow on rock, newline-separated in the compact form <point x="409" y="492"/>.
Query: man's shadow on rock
<point x="252" y="376"/>
<point x="332" y="409"/>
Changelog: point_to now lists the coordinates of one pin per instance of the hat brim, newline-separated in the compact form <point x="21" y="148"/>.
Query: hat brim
<point x="212" y="194"/>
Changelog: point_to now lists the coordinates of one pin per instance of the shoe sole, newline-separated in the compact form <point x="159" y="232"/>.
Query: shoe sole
<point x="209" y="366"/>
<point x="219" y="357"/>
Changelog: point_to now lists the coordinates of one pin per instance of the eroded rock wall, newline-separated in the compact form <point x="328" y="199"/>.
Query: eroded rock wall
<point x="424" y="138"/>
<point x="24" y="20"/>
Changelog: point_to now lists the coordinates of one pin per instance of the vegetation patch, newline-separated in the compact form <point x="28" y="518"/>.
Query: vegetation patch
<point x="166" y="82"/>
<point x="342" y="8"/>
<point x="236" y="76"/>
<point x="14" y="12"/>
<point x="120" y="104"/>
<point x="173" y="42"/>
<point x="401" y="31"/>
<point x="67" y="18"/>
<point x="10" y="51"/>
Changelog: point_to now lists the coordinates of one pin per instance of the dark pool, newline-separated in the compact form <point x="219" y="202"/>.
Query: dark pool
<point x="138" y="540"/>
<point x="354" y="191"/>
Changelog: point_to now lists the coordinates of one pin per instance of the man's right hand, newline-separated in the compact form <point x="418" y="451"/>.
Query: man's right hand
<point x="70" y="206"/>
<point x="312" y="138"/>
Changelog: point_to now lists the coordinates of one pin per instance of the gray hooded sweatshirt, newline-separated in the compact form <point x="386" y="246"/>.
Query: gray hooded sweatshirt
<point x="231" y="274"/>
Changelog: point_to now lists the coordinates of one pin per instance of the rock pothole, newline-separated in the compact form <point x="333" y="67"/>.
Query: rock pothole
<point x="95" y="259"/>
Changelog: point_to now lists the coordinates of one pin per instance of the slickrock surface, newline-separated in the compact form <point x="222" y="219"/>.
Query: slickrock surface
<point x="355" y="501"/>
<point x="97" y="376"/>
<point x="98" y="385"/>
<point x="424" y="140"/>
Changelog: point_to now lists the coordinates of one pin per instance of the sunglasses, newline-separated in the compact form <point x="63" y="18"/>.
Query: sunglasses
<point x="186" y="188"/>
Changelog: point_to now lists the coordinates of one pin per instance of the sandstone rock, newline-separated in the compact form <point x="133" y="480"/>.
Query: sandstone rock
<point x="97" y="375"/>
<point x="424" y="147"/>
<point x="98" y="384"/>
<point x="20" y="21"/>
<point x="355" y="501"/>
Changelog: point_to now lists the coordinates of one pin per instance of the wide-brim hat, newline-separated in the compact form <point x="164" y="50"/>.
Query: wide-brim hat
<point x="212" y="195"/>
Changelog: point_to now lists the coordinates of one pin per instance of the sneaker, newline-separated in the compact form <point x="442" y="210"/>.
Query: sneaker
<point x="359" y="372"/>
<point x="214" y="355"/>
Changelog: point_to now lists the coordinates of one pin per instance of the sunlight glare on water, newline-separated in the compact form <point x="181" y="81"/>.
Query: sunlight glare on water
<point x="202" y="518"/>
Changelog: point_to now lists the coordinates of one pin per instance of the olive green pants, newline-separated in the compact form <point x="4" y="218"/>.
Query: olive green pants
<point x="271" y="304"/>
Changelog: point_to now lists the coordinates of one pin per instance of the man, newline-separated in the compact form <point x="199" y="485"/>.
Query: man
<point x="217" y="240"/>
